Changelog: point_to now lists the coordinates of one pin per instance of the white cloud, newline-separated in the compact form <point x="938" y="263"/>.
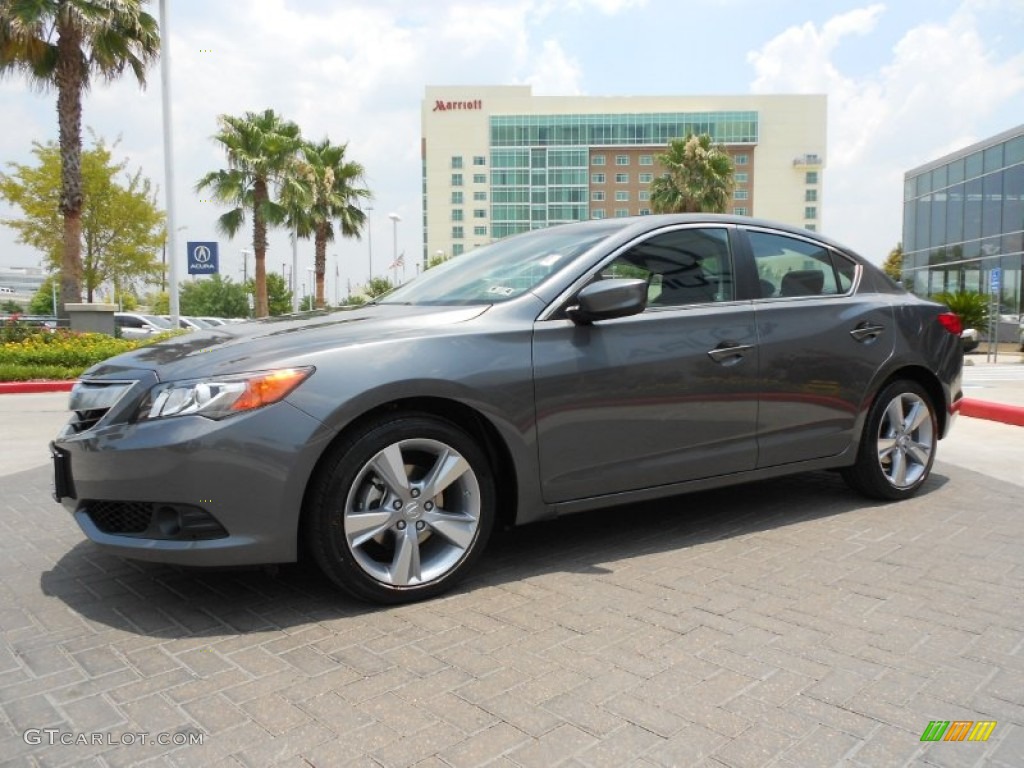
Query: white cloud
<point x="555" y="72"/>
<point x="939" y="85"/>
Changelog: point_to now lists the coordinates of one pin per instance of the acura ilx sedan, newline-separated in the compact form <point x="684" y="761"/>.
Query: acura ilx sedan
<point x="562" y="370"/>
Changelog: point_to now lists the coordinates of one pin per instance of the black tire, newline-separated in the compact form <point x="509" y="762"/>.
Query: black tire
<point x="897" y="447"/>
<point x="376" y="527"/>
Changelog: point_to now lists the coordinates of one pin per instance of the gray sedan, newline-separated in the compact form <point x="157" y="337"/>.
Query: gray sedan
<point x="566" y="369"/>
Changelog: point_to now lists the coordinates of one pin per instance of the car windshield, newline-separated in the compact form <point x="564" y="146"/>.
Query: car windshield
<point x="503" y="270"/>
<point x="156" y="322"/>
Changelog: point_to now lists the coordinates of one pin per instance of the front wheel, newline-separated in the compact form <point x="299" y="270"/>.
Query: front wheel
<point x="401" y="509"/>
<point x="897" y="447"/>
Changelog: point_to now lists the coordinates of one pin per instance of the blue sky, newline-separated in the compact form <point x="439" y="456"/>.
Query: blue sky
<point x="907" y="81"/>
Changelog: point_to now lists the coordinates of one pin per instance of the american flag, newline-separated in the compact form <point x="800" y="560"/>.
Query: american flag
<point x="399" y="262"/>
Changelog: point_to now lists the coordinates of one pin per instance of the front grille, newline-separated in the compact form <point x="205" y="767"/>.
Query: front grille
<point x="153" y="520"/>
<point x="91" y="400"/>
<point x="83" y="420"/>
<point x="121" y="517"/>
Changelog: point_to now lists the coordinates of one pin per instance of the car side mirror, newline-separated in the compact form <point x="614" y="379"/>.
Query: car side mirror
<point x="605" y="299"/>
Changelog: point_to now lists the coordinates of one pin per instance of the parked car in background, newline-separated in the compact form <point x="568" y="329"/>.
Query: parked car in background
<point x="581" y="366"/>
<point x="213" y="322"/>
<point x="133" y="325"/>
<point x="189" y="323"/>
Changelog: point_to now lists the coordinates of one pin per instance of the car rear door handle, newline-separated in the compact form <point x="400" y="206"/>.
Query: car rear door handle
<point x="866" y="331"/>
<point x="729" y="352"/>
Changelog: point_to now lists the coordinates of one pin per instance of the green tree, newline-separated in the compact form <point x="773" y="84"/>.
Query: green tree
<point x="120" y="224"/>
<point x="279" y="298"/>
<point x="11" y="307"/>
<point x="261" y="150"/>
<point x="41" y="302"/>
<point x="159" y="303"/>
<point x="216" y="296"/>
<point x="698" y="177"/>
<point x="893" y="265"/>
<point x="64" y="45"/>
<point x="436" y="259"/>
<point x="327" y="189"/>
<point x="378" y="286"/>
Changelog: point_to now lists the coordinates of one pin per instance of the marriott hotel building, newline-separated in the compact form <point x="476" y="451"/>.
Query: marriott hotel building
<point x="498" y="160"/>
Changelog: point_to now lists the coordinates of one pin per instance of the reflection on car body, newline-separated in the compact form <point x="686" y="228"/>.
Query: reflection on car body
<point x="565" y="369"/>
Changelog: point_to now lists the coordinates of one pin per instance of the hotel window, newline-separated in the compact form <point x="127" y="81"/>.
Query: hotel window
<point x="456" y="179"/>
<point x="597" y="196"/>
<point x="811" y="177"/>
<point x="458" y="248"/>
<point x="811" y="228"/>
<point x="597" y="160"/>
<point x="456" y="161"/>
<point x="479" y="178"/>
<point x="597" y="178"/>
<point x="456" y="233"/>
<point x="622" y="178"/>
<point x="621" y="213"/>
<point x="479" y="160"/>
<point x="811" y="196"/>
<point x="742" y="177"/>
<point x="456" y="214"/>
<point x="811" y="212"/>
<point x="740" y="211"/>
<point x="646" y="178"/>
<point x="646" y="160"/>
<point x="622" y="159"/>
<point x="479" y="213"/>
<point x="478" y="231"/>
<point x="597" y="213"/>
<point x="740" y="194"/>
<point x="456" y="198"/>
<point x="645" y="211"/>
<point x="622" y="197"/>
<point x="479" y="195"/>
<point x="643" y="195"/>
<point x="742" y="159"/>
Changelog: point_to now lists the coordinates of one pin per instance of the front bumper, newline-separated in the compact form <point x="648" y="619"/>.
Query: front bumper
<point x="240" y="479"/>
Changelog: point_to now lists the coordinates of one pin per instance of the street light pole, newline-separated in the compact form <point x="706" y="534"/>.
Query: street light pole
<point x="395" y="218"/>
<point x="165" y="83"/>
<point x="369" y="240"/>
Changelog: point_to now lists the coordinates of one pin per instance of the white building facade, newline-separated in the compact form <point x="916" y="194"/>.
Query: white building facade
<point x="498" y="160"/>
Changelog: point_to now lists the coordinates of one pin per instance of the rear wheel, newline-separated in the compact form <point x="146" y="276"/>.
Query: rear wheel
<point x="402" y="509"/>
<point x="897" y="447"/>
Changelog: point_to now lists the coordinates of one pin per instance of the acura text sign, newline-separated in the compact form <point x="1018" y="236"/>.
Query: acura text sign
<point x="202" y="258"/>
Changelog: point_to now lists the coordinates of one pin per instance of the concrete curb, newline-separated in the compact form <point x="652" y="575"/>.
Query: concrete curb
<point x="33" y="387"/>
<point x="985" y="409"/>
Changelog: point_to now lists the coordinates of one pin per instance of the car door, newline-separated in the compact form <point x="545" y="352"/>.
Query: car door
<point x="821" y="343"/>
<point x="661" y="397"/>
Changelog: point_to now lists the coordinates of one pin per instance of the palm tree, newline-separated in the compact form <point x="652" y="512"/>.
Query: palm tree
<point x="261" y="150"/>
<point x="63" y="44"/>
<point x="326" y="189"/>
<point x="697" y="179"/>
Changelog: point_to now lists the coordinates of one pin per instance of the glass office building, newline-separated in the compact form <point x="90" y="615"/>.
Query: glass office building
<point x="963" y="217"/>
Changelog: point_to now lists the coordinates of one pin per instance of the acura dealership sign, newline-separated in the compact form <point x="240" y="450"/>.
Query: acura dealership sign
<point x="440" y="105"/>
<point x="202" y="258"/>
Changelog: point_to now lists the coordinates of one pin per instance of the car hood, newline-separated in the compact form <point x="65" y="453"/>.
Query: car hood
<point x="273" y="341"/>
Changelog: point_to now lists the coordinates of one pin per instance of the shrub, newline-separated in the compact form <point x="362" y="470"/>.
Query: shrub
<point x="972" y="308"/>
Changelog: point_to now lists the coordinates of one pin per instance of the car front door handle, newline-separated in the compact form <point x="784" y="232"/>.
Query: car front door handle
<point x="729" y="352"/>
<point x="866" y="332"/>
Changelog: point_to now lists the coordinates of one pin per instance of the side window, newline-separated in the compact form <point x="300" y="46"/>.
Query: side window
<point x="128" y="322"/>
<point x="687" y="266"/>
<point x="789" y="267"/>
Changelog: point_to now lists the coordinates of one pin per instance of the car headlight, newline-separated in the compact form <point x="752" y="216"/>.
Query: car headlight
<point x="221" y="396"/>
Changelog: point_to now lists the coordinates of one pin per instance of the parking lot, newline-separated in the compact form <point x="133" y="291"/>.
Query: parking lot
<point x="785" y="623"/>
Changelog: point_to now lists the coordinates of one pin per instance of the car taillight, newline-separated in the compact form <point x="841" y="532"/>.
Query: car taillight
<point x="951" y="323"/>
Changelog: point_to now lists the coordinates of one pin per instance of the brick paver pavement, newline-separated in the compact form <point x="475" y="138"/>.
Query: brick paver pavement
<point x="785" y="623"/>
